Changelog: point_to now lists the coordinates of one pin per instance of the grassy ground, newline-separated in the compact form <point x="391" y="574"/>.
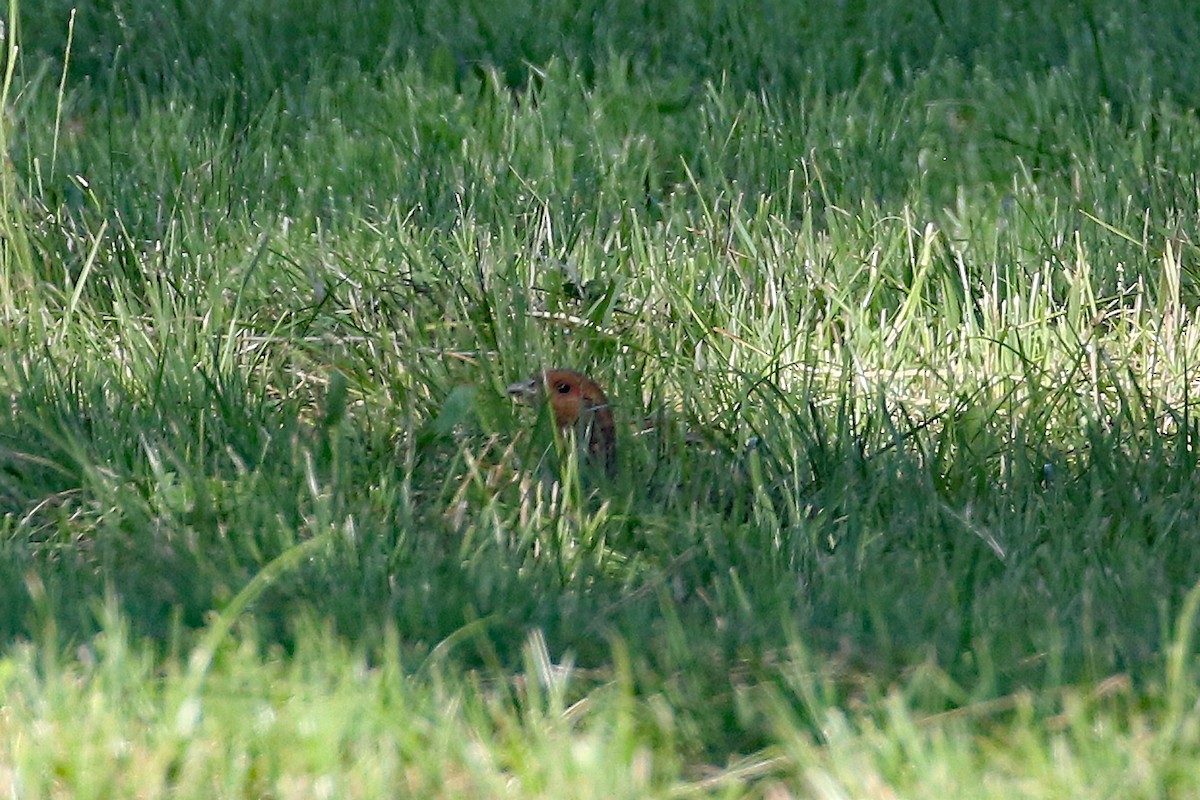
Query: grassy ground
<point x="909" y="287"/>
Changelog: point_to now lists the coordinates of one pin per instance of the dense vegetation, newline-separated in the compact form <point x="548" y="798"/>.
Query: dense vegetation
<point x="907" y="289"/>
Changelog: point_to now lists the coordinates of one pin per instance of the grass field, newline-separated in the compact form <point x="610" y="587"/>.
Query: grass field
<point x="909" y="289"/>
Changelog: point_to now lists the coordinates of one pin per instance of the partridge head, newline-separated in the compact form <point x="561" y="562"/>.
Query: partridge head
<point x="578" y="403"/>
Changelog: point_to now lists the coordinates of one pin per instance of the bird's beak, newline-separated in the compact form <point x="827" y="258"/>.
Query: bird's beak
<point x="522" y="391"/>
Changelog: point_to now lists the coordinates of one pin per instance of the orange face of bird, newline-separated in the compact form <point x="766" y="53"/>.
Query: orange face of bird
<point x="578" y="403"/>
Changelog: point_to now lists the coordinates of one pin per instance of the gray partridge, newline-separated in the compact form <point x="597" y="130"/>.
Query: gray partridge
<point x="578" y="404"/>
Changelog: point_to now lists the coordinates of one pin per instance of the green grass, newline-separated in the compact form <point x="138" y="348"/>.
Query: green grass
<point x="910" y="288"/>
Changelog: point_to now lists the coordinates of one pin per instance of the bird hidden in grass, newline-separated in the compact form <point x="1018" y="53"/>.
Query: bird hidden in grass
<point x="580" y="407"/>
<point x="578" y="404"/>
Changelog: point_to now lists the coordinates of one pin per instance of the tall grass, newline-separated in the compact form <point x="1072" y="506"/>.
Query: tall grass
<point x="908" y="295"/>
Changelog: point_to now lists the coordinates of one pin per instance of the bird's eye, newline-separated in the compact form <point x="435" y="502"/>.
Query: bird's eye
<point x="562" y="387"/>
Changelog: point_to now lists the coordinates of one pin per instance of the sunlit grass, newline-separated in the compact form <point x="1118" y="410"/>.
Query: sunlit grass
<point x="912" y="308"/>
